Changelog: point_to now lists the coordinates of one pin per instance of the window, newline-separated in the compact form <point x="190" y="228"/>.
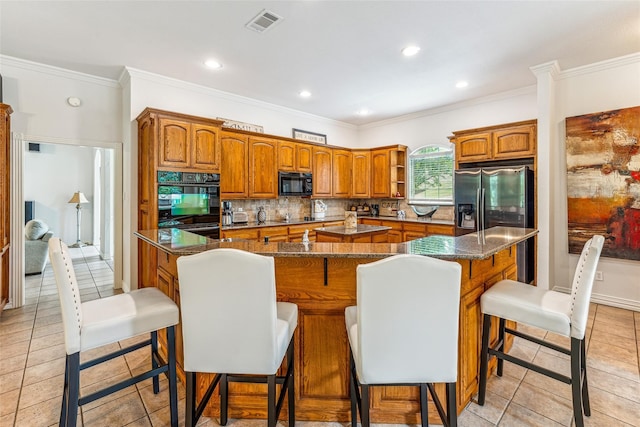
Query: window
<point x="431" y="174"/>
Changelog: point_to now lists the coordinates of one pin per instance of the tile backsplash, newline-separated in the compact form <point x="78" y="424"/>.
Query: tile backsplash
<point x="299" y="207"/>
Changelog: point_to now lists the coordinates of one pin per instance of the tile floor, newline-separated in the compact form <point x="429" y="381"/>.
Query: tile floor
<point x="32" y="354"/>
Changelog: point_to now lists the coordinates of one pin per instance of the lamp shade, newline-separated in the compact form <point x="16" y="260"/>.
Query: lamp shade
<point x="78" y="197"/>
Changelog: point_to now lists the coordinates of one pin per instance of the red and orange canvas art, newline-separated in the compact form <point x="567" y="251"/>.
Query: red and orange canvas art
<point x="603" y="181"/>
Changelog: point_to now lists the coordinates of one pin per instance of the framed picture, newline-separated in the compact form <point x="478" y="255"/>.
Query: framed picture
<point x="234" y="124"/>
<point x="309" y="136"/>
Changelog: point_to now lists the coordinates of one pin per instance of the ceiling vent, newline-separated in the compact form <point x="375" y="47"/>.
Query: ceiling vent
<point x="263" y="21"/>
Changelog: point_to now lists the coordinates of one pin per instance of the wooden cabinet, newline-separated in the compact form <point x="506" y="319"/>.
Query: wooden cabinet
<point x="263" y="172"/>
<point x="322" y="171"/>
<point x="395" y="234"/>
<point x="294" y="156"/>
<point x="388" y="172"/>
<point x="5" y="201"/>
<point x="404" y="231"/>
<point x="501" y="142"/>
<point x="234" y="180"/>
<point x="169" y="141"/>
<point x="275" y="234"/>
<point x="241" y="233"/>
<point x="361" y="174"/>
<point x="341" y="173"/>
<point x="184" y="144"/>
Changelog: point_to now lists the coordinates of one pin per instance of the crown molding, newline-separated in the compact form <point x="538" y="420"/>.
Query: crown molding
<point x="596" y="67"/>
<point x="552" y="68"/>
<point x="526" y="90"/>
<point x="181" y="84"/>
<point x="56" y="71"/>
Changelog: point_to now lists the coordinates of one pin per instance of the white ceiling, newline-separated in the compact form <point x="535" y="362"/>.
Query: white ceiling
<point x="347" y="53"/>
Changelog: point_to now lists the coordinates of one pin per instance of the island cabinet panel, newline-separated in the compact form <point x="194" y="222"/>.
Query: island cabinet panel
<point x="322" y="172"/>
<point x="263" y="172"/>
<point x="233" y="173"/>
<point x="361" y="175"/>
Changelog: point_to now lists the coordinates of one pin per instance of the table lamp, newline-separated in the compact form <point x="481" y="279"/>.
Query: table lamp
<point x="78" y="198"/>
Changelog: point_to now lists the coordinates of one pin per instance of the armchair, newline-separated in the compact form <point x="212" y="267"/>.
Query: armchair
<point x="36" y="246"/>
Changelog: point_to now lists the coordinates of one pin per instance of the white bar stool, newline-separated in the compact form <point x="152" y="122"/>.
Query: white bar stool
<point x="232" y="326"/>
<point x="563" y="314"/>
<point x="404" y="331"/>
<point x="108" y="320"/>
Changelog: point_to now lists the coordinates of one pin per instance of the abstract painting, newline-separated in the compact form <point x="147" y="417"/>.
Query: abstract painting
<point x="603" y="181"/>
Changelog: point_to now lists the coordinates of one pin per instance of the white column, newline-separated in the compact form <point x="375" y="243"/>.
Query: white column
<point x="547" y="172"/>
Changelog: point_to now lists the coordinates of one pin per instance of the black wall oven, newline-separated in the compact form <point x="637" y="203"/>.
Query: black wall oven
<point x="189" y="201"/>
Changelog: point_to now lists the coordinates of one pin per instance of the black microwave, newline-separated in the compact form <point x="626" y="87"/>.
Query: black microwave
<point x="295" y="184"/>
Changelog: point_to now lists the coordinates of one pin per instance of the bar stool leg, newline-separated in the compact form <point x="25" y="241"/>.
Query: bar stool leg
<point x="271" y="401"/>
<point x="173" y="386"/>
<point x="502" y="345"/>
<point x="484" y="358"/>
<point x="424" y="406"/>
<point x="452" y="405"/>
<point x="74" y="389"/>
<point x="154" y="360"/>
<point x="190" y="413"/>
<point x="291" y="388"/>
<point x="585" y="387"/>
<point x="576" y="392"/>
<point x="364" y="406"/>
<point x="65" y="393"/>
<point x="354" y="392"/>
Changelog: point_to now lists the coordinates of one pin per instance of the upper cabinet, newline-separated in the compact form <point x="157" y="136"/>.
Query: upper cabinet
<point x="388" y="172"/>
<point x="341" y="173"/>
<point x="294" y="156"/>
<point x="322" y="175"/>
<point x="361" y="174"/>
<point x="187" y="145"/>
<point x="502" y="142"/>
<point x="234" y="181"/>
<point x="263" y="172"/>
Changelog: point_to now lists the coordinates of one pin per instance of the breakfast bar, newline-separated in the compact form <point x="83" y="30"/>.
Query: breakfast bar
<point x="321" y="279"/>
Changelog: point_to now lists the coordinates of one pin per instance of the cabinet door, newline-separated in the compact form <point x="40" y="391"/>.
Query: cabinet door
<point x="341" y="173"/>
<point x="234" y="182"/>
<point x="361" y="174"/>
<point x="173" y="150"/>
<point x="287" y="156"/>
<point x="322" y="172"/>
<point x="380" y="178"/>
<point x="304" y="157"/>
<point x="471" y="148"/>
<point x="263" y="173"/>
<point x="206" y="148"/>
<point x="246" y="233"/>
<point x="514" y="142"/>
<point x="469" y="353"/>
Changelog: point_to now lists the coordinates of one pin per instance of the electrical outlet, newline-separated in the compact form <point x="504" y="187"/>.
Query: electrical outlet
<point x="599" y="276"/>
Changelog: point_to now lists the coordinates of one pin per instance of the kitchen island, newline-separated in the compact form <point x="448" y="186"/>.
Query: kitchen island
<point x="321" y="279"/>
<point x="360" y="234"/>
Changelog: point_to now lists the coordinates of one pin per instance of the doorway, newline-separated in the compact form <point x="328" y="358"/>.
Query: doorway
<point x="50" y="177"/>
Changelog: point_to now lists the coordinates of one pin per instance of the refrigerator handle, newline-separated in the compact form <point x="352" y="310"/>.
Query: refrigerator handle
<point x="482" y="200"/>
<point x="478" y="210"/>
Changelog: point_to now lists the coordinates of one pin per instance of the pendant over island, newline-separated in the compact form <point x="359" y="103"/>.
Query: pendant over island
<point x="321" y="279"/>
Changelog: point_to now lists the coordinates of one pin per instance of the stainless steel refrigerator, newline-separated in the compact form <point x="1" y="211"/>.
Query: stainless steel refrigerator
<point x="491" y="197"/>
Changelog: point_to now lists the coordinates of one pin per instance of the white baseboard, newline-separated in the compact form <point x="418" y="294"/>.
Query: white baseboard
<point x="625" y="303"/>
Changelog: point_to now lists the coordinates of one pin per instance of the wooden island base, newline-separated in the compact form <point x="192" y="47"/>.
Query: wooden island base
<point x="322" y="352"/>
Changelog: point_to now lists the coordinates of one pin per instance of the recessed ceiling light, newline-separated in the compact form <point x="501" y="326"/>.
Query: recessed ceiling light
<point x="305" y="93"/>
<point x="462" y="84"/>
<point x="410" y="50"/>
<point x="363" y="112"/>
<point x="213" y="64"/>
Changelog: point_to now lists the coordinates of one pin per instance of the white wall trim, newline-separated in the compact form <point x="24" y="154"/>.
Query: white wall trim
<point x="527" y="90"/>
<point x="181" y="84"/>
<point x="625" y="303"/>
<point x="600" y="66"/>
<point x="57" y="71"/>
<point x="68" y="141"/>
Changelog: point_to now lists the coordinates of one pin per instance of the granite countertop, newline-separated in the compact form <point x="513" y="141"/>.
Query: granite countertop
<point x="471" y="246"/>
<point x="332" y="219"/>
<point x="341" y="230"/>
